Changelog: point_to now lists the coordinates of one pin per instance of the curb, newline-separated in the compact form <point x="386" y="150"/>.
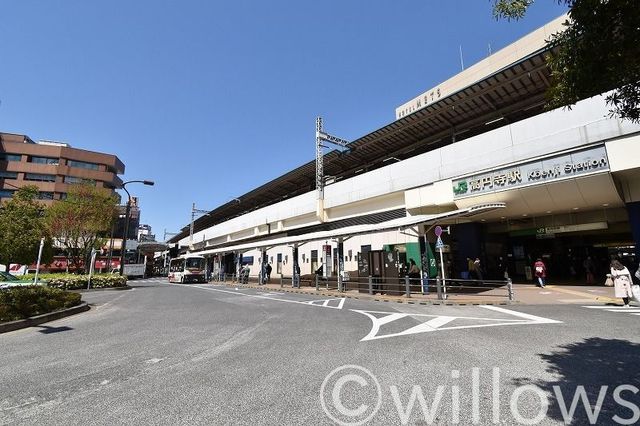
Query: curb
<point x="40" y="319"/>
<point x="363" y="296"/>
<point x="84" y="290"/>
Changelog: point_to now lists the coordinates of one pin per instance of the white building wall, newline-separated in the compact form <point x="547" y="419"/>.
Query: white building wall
<point x="377" y="241"/>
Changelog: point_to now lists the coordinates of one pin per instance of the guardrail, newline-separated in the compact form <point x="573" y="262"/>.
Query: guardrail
<point x="400" y="286"/>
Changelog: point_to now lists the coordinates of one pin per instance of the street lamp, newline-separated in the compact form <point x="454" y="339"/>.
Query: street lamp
<point x="123" y="249"/>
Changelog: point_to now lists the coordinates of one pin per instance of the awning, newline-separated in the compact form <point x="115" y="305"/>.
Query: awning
<point x="350" y="231"/>
<point x="152" y="246"/>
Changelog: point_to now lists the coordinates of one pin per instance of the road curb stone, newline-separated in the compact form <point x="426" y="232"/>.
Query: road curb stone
<point x="41" y="319"/>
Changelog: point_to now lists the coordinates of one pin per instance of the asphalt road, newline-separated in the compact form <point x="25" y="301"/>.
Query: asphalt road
<point x="206" y="354"/>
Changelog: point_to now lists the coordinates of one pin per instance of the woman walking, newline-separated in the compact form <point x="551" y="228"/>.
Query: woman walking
<point x="622" y="281"/>
<point x="541" y="272"/>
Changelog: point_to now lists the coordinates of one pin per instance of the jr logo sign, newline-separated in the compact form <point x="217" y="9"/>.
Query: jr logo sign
<point x="461" y="188"/>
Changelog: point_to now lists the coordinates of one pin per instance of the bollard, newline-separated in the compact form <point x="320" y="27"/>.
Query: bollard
<point x="510" y="289"/>
<point x="407" y="286"/>
<point x="317" y="283"/>
<point x="281" y="284"/>
<point x="370" y="285"/>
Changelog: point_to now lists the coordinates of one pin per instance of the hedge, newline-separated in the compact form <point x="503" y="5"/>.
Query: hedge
<point x="74" y="282"/>
<point x="23" y="302"/>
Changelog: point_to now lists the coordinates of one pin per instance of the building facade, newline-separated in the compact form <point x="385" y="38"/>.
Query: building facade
<point x="568" y="181"/>
<point x="52" y="167"/>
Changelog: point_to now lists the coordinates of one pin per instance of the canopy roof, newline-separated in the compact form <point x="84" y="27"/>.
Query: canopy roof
<point x="351" y="231"/>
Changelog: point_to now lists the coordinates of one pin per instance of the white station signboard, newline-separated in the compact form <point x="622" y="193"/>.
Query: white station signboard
<point x="559" y="167"/>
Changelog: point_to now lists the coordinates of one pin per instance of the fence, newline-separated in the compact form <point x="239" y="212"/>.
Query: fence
<point x="401" y="286"/>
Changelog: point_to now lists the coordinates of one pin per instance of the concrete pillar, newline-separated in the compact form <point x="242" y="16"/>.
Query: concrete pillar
<point x="633" y="210"/>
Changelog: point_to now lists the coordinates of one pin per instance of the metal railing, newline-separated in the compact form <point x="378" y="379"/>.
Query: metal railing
<point x="393" y="286"/>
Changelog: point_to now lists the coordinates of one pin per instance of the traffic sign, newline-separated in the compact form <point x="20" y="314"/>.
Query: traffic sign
<point x="439" y="243"/>
<point x="438" y="231"/>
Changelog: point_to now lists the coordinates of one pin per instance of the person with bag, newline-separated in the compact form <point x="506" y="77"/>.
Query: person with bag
<point x="622" y="281"/>
<point x="540" y="271"/>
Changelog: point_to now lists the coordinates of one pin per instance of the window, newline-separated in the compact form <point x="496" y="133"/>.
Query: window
<point x="73" y="179"/>
<point x="6" y="193"/>
<point x="279" y="264"/>
<point x="45" y="160"/>
<point x="10" y="157"/>
<point x="314" y="260"/>
<point x="8" y="175"/>
<point x="39" y="177"/>
<point x="82" y="165"/>
<point x="45" y="195"/>
<point x="195" y="263"/>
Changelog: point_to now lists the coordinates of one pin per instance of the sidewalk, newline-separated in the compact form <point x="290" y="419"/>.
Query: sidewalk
<point x="525" y="294"/>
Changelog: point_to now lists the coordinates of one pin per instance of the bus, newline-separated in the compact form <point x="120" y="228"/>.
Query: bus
<point x="187" y="268"/>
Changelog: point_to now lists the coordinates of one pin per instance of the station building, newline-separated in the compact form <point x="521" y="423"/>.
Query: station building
<point x="564" y="184"/>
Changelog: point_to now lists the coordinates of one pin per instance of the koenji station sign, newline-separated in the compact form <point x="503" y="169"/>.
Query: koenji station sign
<point x="550" y="169"/>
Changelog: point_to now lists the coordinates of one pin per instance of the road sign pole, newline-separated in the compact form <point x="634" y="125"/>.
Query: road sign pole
<point x="440" y="246"/>
<point x="35" y="279"/>
<point x="444" y="285"/>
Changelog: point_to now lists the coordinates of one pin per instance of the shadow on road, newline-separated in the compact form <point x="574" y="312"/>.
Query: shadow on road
<point x="50" y="330"/>
<point x="592" y="364"/>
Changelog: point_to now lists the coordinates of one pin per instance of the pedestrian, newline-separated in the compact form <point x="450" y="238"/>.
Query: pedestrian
<point x="477" y="269"/>
<point x="296" y="274"/>
<point x="540" y="271"/>
<point x="589" y="269"/>
<point x="414" y="271"/>
<point x="268" y="271"/>
<point x="470" y="273"/>
<point x="622" y="281"/>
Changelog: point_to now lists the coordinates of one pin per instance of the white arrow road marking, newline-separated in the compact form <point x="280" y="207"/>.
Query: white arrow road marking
<point x="533" y="318"/>
<point x="439" y="321"/>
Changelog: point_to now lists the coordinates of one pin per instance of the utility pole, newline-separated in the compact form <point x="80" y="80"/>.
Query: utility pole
<point x="194" y="212"/>
<point x="321" y="137"/>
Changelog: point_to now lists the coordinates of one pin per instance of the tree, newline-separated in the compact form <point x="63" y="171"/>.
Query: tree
<point x="597" y="52"/>
<point x="81" y="222"/>
<point x="22" y="225"/>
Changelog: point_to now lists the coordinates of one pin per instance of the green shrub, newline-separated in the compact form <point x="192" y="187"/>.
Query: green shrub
<point x="74" y="282"/>
<point x="23" y="302"/>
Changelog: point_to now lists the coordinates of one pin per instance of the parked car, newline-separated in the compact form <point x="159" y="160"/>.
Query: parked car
<point x="7" y="280"/>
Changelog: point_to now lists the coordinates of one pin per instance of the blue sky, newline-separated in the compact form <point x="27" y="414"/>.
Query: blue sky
<point x="211" y="99"/>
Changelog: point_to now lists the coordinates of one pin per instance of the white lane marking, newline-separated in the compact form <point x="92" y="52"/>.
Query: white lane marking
<point x="327" y="303"/>
<point x="534" y="318"/>
<point x="438" y="322"/>
<point x="608" y="308"/>
<point x="259" y="296"/>
<point x="113" y="300"/>
<point x="153" y="360"/>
